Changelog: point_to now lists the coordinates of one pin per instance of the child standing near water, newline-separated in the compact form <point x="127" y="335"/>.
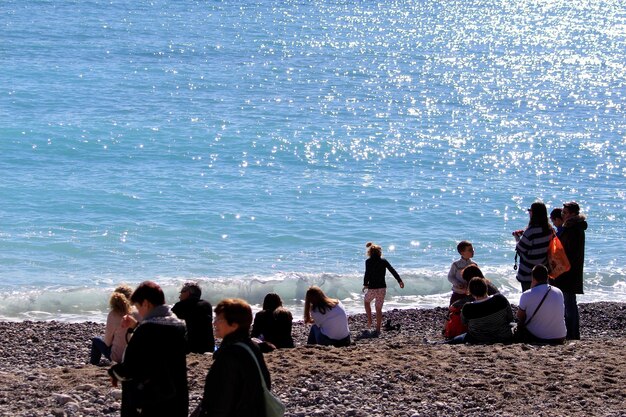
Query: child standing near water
<point x="374" y="284"/>
<point x="455" y="276"/>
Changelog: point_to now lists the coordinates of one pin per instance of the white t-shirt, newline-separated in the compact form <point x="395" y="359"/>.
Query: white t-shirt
<point x="334" y="323"/>
<point x="549" y="322"/>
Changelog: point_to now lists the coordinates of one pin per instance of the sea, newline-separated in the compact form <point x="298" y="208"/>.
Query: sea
<point x="256" y="146"/>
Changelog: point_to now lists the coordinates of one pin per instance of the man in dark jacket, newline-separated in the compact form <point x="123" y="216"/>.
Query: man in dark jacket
<point x="198" y="316"/>
<point x="571" y="282"/>
<point x="154" y="369"/>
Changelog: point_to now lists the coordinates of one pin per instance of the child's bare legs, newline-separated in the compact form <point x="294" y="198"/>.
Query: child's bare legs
<point x="379" y="317"/>
<point x="368" y="313"/>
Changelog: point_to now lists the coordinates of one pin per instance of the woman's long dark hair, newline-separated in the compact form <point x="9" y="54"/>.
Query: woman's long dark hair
<point x="539" y="216"/>
<point x="271" y="302"/>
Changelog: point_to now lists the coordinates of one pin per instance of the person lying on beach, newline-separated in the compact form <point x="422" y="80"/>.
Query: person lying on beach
<point x="272" y="325"/>
<point x="374" y="284"/>
<point x="328" y="318"/>
<point x="488" y="318"/>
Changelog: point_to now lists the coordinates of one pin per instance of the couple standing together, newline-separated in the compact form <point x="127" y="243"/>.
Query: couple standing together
<point x="532" y="247"/>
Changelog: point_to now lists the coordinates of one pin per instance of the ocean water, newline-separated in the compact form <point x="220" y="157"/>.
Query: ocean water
<point x="257" y="146"/>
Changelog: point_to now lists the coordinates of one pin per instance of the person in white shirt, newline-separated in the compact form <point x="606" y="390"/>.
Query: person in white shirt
<point x="329" y="319"/>
<point x="541" y="310"/>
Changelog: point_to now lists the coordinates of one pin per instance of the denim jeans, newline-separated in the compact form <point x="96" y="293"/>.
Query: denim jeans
<point x="99" y="348"/>
<point x="457" y="340"/>
<point x="316" y="337"/>
<point x="572" y="319"/>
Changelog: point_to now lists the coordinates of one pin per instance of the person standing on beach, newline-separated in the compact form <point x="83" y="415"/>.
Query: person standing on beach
<point x="455" y="275"/>
<point x="154" y="369"/>
<point x="532" y="243"/>
<point x="374" y="284"/>
<point x="556" y="218"/>
<point x="198" y="316"/>
<point x="571" y="282"/>
<point x="233" y="385"/>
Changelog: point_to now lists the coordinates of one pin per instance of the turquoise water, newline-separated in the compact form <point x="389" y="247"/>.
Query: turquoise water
<point x="256" y="147"/>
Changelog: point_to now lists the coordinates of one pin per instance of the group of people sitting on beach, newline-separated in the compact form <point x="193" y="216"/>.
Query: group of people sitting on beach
<point x="147" y="341"/>
<point x="547" y="310"/>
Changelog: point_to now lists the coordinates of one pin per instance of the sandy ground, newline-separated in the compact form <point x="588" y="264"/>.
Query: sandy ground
<point x="44" y="372"/>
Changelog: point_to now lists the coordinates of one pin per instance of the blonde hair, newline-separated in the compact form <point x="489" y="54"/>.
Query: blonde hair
<point x="316" y="299"/>
<point x="124" y="289"/>
<point x="119" y="303"/>
<point x="374" y="250"/>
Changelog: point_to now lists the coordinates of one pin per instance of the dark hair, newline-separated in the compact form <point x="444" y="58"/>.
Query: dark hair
<point x="374" y="250"/>
<point x="283" y="315"/>
<point x="150" y="291"/>
<point x="539" y="216"/>
<point x="478" y="287"/>
<point x="462" y="246"/>
<point x="193" y="289"/>
<point x="471" y="271"/>
<point x="235" y="311"/>
<point x="556" y="214"/>
<point x="572" y="207"/>
<point x="540" y="273"/>
<point x="316" y="299"/>
<point x="271" y="302"/>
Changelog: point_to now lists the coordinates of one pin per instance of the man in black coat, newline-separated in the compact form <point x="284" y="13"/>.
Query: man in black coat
<point x="571" y="282"/>
<point x="198" y="316"/>
<point x="154" y="369"/>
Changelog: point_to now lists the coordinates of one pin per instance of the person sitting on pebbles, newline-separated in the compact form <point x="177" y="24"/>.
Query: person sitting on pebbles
<point x="488" y="318"/>
<point x="113" y="344"/>
<point x="329" y="319"/>
<point x="273" y="324"/>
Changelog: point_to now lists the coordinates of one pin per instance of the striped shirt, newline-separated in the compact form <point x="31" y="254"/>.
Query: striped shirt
<point x="488" y="320"/>
<point x="533" y="250"/>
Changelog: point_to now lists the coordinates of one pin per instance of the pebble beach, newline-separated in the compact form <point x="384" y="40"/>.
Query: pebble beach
<point x="44" y="372"/>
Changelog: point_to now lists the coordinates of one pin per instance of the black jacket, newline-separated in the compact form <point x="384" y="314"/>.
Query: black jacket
<point x="233" y="385"/>
<point x="198" y="316"/>
<point x="154" y="368"/>
<point x="375" y="270"/>
<point x="573" y="240"/>
<point x="275" y="330"/>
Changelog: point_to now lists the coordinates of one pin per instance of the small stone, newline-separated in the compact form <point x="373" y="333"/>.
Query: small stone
<point x="62" y="399"/>
<point x="116" y="394"/>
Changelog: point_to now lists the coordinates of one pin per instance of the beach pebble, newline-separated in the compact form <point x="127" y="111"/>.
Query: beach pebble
<point x="116" y="394"/>
<point x="62" y="399"/>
